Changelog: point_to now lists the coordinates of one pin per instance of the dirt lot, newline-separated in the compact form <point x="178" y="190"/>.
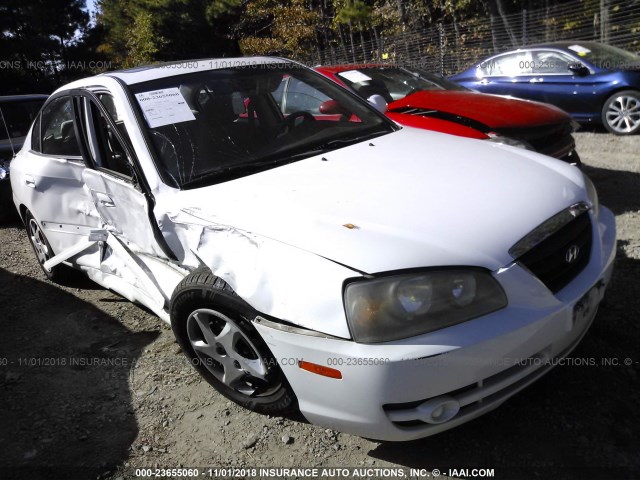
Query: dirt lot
<point x="92" y="386"/>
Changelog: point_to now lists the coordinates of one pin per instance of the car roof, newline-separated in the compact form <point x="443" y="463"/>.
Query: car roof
<point x="22" y="98"/>
<point x="563" y="45"/>
<point x="169" y="69"/>
<point x="347" y="67"/>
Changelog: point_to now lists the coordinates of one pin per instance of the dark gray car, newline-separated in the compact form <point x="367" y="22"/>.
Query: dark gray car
<point x="16" y="116"/>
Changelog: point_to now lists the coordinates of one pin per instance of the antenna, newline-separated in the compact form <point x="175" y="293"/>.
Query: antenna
<point x="6" y="128"/>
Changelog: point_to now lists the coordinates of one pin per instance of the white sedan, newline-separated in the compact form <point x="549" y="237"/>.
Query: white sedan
<point x="309" y="253"/>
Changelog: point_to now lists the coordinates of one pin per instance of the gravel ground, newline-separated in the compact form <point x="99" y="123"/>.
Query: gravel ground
<point x="93" y="386"/>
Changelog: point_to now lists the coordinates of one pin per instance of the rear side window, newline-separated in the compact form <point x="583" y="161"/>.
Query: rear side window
<point x="35" y="136"/>
<point x="58" y="132"/>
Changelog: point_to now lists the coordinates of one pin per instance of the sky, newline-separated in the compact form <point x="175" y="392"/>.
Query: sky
<point x="91" y="6"/>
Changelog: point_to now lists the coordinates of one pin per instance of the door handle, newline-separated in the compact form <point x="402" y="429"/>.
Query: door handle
<point x="29" y="181"/>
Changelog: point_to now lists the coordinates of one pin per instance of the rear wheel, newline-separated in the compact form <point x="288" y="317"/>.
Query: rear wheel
<point x="42" y="249"/>
<point x="213" y="327"/>
<point x="621" y="113"/>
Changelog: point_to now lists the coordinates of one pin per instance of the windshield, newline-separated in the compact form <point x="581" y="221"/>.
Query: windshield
<point x="215" y="125"/>
<point x="606" y="56"/>
<point x="16" y="117"/>
<point x="392" y="83"/>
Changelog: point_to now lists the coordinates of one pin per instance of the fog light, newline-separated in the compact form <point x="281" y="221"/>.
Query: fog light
<point x="438" y="410"/>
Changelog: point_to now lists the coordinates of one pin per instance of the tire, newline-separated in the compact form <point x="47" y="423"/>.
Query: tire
<point x="213" y="327"/>
<point x="43" y="250"/>
<point x="621" y="113"/>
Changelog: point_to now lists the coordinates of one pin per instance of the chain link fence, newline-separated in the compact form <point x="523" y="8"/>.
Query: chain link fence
<point x="448" y="48"/>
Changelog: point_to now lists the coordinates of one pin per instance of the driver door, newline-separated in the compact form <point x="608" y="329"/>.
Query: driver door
<point x="114" y="181"/>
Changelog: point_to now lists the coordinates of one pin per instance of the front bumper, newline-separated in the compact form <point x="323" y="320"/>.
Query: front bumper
<point x="387" y="391"/>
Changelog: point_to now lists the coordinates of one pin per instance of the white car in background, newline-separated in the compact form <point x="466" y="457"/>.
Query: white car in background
<point x="388" y="282"/>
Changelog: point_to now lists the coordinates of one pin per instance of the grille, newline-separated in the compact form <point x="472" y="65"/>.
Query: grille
<point x="551" y="260"/>
<point x="555" y="141"/>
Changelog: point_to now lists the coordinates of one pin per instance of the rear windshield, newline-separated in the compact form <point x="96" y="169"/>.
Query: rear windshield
<point x="16" y="117"/>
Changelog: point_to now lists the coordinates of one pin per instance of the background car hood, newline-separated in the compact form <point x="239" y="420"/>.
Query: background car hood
<point x="495" y="111"/>
<point x="409" y="199"/>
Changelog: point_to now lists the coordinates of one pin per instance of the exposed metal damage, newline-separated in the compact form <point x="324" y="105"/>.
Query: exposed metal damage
<point x="264" y="272"/>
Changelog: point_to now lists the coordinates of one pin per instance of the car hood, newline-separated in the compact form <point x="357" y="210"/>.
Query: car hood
<point x="494" y="111"/>
<point x="409" y="199"/>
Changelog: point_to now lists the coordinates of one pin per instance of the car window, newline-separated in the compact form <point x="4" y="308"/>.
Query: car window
<point x="517" y="63"/>
<point x="17" y="117"/>
<point x="36" y="140"/>
<point x="392" y="83"/>
<point x="550" y="62"/>
<point x="58" y="132"/>
<point x="300" y="96"/>
<point x="107" y="150"/>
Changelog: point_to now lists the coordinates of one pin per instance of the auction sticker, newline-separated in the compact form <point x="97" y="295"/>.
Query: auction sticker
<point x="164" y="107"/>
<point x="355" y="76"/>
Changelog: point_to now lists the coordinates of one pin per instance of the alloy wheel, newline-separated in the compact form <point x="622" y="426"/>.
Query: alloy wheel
<point x="227" y="352"/>
<point x="39" y="242"/>
<point x="623" y="114"/>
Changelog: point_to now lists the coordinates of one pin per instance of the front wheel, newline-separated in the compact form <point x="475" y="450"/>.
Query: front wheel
<point x="621" y="113"/>
<point x="213" y="327"/>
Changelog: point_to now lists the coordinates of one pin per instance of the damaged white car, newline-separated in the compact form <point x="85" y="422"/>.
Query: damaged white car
<point x="308" y="252"/>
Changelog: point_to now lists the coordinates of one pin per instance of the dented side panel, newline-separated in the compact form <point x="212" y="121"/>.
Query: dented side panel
<point x="274" y="278"/>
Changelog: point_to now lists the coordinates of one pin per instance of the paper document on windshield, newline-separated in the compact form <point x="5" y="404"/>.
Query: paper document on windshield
<point x="580" y="50"/>
<point x="164" y="107"/>
<point x="355" y="76"/>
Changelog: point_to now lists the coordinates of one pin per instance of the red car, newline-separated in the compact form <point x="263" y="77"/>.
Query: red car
<point x="419" y="99"/>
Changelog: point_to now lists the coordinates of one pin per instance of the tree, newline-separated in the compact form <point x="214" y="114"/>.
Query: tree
<point x="278" y="27"/>
<point x="171" y="29"/>
<point x="36" y="38"/>
<point x="354" y="13"/>
<point x="143" y="44"/>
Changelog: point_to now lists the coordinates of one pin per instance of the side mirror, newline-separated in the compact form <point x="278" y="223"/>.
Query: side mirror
<point x="332" y="107"/>
<point x="578" y="69"/>
<point x="378" y="102"/>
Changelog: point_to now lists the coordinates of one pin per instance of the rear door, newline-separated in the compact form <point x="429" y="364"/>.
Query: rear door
<point x="48" y="177"/>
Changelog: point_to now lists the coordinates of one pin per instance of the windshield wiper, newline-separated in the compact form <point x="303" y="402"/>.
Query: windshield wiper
<point x="227" y="173"/>
<point x="340" y="142"/>
<point x="272" y="161"/>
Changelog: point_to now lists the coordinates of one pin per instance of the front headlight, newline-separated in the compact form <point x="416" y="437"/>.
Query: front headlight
<point x="401" y="306"/>
<point x="496" y="138"/>
<point x="592" y="194"/>
<point x="4" y="169"/>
